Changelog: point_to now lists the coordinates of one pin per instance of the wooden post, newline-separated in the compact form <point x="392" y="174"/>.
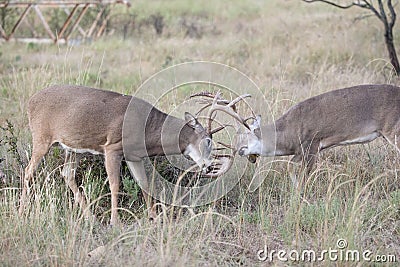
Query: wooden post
<point x="67" y="22"/>
<point x="76" y="23"/>
<point x="23" y="15"/>
<point x="46" y="26"/>
<point x="94" y="24"/>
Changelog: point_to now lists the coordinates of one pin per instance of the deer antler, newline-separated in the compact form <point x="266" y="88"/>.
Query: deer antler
<point x="226" y="162"/>
<point x="208" y="102"/>
<point x="229" y="109"/>
<point x="220" y="100"/>
<point x="215" y="102"/>
<point x="218" y="103"/>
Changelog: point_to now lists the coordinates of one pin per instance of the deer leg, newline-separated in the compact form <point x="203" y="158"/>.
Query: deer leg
<point x="310" y="157"/>
<point x="38" y="153"/>
<point x="294" y="163"/>
<point x="307" y="159"/>
<point x="113" y="162"/>
<point x="68" y="172"/>
<point x="137" y="168"/>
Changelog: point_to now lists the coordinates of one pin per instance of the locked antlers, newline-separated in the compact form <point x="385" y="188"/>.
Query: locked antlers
<point x="215" y="102"/>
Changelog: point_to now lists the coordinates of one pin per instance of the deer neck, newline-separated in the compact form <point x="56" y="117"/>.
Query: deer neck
<point x="275" y="140"/>
<point x="165" y="137"/>
<point x="148" y="132"/>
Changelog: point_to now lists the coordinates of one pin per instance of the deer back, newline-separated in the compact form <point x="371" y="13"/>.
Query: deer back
<point x="77" y="116"/>
<point x="345" y="114"/>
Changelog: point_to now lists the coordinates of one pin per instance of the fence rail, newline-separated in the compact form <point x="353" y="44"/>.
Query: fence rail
<point x="75" y="11"/>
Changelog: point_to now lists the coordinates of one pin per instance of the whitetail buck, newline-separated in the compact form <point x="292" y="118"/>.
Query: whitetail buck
<point x="84" y="119"/>
<point x="347" y="116"/>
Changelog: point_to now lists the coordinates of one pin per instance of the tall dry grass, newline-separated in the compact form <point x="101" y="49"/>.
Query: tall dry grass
<point x="292" y="51"/>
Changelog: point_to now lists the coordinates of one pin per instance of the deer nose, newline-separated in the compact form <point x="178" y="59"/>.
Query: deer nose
<point x="252" y="158"/>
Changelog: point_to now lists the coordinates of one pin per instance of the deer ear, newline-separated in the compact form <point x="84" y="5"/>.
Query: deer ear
<point x="256" y="124"/>
<point x="190" y="120"/>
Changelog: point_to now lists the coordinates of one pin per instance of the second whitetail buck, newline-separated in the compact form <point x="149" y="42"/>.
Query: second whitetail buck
<point x="346" y="116"/>
<point x="84" y="119"/>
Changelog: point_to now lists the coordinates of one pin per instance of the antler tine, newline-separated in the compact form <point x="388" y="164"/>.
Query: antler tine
<point x="216" y="174"/>
<point x="238" y="99"/>
<point x="233" y="112"/>
<point x="220" y="100"/>
<point x="203" y="94"/>
<point x="228" y="110"/>
<point x="216" y="130"/>
<point x="210" y="112"/>
<point x="226" y="145"/>
<point x="218" y="103"/>
<point x="208" y="102"/>
<point x="251" y="117"/>
<point x="203" y="108"/>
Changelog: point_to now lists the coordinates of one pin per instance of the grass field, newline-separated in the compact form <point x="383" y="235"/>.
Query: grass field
<point x="292" y="50"/>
